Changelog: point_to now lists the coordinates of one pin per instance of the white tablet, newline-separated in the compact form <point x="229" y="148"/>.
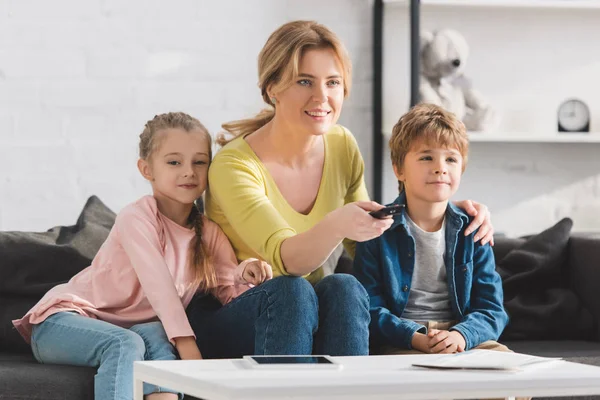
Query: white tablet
<point x="292" y="362"/>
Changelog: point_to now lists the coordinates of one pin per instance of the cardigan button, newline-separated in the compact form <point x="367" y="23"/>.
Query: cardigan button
<point x="405" y="288"/>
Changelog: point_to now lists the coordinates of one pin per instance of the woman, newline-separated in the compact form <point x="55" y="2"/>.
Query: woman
<point x="288" y="189"/>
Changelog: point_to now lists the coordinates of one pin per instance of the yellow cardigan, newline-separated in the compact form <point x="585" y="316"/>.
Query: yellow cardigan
<point x="245" y="202"/>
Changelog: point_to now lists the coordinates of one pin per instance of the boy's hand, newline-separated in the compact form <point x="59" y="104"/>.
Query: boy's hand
<point x="420" y="342"/>
<point x="441" y="341"/>
<point x="256" y="272"/>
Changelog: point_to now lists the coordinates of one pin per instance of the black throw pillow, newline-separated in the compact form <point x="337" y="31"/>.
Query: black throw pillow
<point x="537" y="297"/>
<point x="31" y="263"/>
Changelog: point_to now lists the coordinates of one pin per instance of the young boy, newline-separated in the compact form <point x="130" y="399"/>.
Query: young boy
<point x="432" y="289"/>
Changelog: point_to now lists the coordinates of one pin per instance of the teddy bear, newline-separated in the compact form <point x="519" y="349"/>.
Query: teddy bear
<point x="444" y="56"/>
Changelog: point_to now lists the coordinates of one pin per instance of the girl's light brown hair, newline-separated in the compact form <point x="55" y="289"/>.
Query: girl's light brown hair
<point x="430" y="125"/>
<point x="278" y="64"/>
<point x="199" y="258"/>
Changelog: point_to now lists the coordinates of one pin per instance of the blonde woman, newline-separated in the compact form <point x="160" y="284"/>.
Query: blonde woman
<point x="288" y="188"/>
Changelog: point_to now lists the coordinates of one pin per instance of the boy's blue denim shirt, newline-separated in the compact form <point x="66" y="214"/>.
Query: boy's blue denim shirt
<point x="385" y="265"/>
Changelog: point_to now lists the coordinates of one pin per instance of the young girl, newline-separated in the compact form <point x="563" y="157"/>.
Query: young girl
<point x="129" y="305"/>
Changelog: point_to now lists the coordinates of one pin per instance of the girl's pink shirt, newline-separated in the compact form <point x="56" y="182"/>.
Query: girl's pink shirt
<point x="141" y="274"/>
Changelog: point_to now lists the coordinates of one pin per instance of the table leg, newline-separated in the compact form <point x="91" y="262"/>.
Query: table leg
<point x="138" y="389"/>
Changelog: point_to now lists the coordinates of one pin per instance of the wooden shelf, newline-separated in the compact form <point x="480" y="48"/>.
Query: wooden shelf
<point x="549" y="4"/>
<point x="515" y="137"/>
<point x="512" y="137"/>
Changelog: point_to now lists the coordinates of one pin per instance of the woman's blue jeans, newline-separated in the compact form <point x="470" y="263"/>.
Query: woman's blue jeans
<point x="285" y="315"/>
<point x="71" y="339"/>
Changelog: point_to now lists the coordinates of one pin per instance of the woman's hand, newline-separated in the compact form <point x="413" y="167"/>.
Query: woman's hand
<point x="187" y="348"/>
<point x="256" y="272"/>
<point x="482" y="220"/>
<point x="354" y="222"/>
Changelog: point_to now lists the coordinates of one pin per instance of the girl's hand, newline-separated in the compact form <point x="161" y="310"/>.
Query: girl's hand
<point x="256" y="272"/>
<point x="353" y="221"/>
<point x="187" y="348"/>
<point x="482" y="220"/>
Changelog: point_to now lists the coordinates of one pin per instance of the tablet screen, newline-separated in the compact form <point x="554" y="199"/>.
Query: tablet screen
<point x="292" y="360"/>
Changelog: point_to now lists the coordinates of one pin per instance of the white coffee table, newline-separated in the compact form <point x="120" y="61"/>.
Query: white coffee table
<point x="364" y="378"/>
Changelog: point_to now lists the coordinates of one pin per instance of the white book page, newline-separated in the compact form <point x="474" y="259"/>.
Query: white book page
<point x="483" y="359"/>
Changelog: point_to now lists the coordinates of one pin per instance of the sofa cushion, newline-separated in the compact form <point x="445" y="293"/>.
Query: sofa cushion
<point x="504" y="244"/>
<point x="537" y="295"/>
<point x="22" y="378"/>
<point x="584" y="262"/>
<point x="31" y="263"/>
<point x="13" y="307"/>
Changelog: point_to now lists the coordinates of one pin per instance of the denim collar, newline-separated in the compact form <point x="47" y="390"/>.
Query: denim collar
<point x="455" y="217"/>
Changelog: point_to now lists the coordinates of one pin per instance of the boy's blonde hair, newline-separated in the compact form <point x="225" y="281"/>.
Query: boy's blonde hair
<point x="199" y="258"/>
<point x="431" y="125"/>
<point x="278" y="65"/>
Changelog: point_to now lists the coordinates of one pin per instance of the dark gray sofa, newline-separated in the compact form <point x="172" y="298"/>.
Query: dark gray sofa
<point x="552" y="281"/>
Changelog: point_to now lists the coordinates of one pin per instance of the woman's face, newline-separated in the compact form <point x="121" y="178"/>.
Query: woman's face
<point x="314" y="101"/>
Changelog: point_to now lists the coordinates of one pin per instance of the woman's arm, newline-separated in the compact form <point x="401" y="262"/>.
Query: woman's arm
<point x="303" y="253"/>
<point x="357" y="190"/>
<point x="238" y="187"/>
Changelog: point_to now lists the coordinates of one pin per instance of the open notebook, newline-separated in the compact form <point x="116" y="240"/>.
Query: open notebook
<point x="484" y="360"/>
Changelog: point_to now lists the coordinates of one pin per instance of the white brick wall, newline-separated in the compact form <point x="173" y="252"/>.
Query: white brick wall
<point x="78" y="80"/>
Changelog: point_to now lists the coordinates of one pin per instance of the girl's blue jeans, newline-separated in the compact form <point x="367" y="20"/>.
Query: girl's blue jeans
<point x="285" y="315"/>
<point x="72" y="339"/>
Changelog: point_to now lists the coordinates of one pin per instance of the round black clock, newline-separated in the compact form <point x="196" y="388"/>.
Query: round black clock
<point x="573" y="116"/>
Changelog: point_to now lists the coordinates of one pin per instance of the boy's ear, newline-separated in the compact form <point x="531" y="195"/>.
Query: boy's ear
<point x="145" y="170"/>
<point x="399" y="173"/>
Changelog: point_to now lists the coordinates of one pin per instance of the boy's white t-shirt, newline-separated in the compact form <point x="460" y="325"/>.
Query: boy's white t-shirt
<point x="428" y="299"/>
